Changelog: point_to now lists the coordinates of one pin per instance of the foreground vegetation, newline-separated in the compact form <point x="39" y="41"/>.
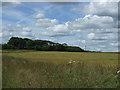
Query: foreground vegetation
<point x="19" y="71"/>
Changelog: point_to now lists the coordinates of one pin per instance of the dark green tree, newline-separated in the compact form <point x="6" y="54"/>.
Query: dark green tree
<point x="42" y="45"/>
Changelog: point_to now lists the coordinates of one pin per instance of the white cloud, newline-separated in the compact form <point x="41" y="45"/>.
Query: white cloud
<point x="18" y="25"/>
<point x="16" y="31"/>
<point x="102" y="46"/>
<point x="82" y="41"/>
<point x="58" y="30"/>
<point x="40" y="15"/>
<point x="106" y="36"/>
<point x="54" y="21"/>
<point x="88" y="24"/>
<point x="100" y="41"/>
<point x="115" y="44"/>
<point x="0" y="35"/>
<point x="98" y="49"/>
<point x="91" y="35"/>
<point x="93" y="22"/>
<point x="52" y="28"/>
<point x="5" y="36"/>
<point x="45" y="22"/>
<point x="25" y="33"/>
<point x="109" y="31"/>
<point x="102" y="8"/>
<point x="27" y="29"/>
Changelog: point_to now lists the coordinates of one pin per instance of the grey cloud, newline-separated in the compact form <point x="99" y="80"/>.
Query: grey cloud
<point x="10" y="4"/>
<point x="65" y="3"/>
<point x="99" y="39"/>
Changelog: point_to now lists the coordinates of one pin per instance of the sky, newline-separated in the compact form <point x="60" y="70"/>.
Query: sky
<point x="93" y="25"/>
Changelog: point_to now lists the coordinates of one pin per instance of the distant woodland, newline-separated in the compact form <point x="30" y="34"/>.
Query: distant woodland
<point x="40" y="45"/>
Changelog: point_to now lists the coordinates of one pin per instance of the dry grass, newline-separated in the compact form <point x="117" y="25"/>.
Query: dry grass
<point x="35" y="69"/>
<point x="19" y="73"/>
<point x="63" y="57"/>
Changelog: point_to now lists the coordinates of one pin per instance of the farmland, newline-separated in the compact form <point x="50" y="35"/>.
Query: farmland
<point x="52" y="69"/>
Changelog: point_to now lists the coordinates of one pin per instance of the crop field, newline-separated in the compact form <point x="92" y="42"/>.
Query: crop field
<point x="43" y="69"/>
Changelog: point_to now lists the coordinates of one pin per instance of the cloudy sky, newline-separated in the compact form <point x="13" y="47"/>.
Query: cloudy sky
<point x="90" y="24"/>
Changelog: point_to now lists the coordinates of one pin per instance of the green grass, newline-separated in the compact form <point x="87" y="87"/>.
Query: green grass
<point x="35" y="69"/>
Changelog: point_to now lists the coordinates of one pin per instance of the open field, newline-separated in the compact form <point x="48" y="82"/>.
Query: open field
<point x="39" y="69"/>
<point x="64" y="57"/>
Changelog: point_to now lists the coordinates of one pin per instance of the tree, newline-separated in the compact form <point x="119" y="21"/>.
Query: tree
<point x="59" y="47"/>
<point x="42" y="45"/>
<point x="30" y="44"/>
<point x="18" y="43"/>
<point x="7" y="46"/>
<point x="64" y="44"/>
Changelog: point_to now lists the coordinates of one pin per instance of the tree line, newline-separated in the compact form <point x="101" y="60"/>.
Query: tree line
<point x="41" y="45"/>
